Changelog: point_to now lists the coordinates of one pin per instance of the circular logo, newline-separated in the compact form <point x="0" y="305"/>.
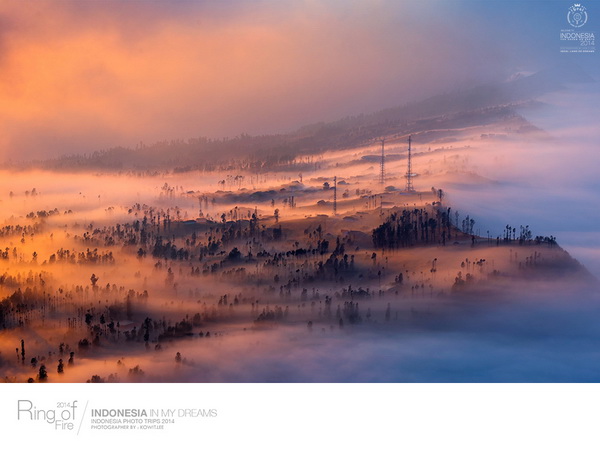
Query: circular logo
<point x="577" y="15"/>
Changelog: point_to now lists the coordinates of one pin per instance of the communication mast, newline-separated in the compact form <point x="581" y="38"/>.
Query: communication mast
<point x="334" y="196"/>
<point x="382" y="172"/>
<point x="409" y="174"/>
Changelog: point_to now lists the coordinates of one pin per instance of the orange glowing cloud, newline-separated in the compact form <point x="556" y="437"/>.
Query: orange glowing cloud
<point x="81" y="77"/>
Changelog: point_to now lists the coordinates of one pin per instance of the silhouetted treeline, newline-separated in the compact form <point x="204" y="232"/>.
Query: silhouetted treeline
<point x="409" y="227"/>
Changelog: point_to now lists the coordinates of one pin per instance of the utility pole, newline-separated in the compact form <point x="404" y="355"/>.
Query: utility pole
<point x="409" y="174"/>
<point x="334" y="196"/>
<point x="382" y="172"/>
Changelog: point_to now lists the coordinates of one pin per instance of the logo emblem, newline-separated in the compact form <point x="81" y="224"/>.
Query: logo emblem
<point x="577" y="16"/>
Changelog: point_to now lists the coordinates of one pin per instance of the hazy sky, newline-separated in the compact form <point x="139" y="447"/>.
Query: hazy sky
<point x="82" y="76"/>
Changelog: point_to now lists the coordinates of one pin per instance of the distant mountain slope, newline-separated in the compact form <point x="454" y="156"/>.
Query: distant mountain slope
<point x="475" y="106"/>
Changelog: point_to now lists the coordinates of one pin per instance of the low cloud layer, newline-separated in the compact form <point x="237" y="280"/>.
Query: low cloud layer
<point x="548" y="183"/>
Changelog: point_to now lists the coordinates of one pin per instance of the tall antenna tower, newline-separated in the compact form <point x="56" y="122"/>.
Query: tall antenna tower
<point x="409" y="174"/>
<point x="334" y="196"/>
<point x="382" y="172"/>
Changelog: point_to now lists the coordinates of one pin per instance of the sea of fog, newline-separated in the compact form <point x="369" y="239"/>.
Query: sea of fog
<point x="526" y="339"/>
<point x="550" y="184"/>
